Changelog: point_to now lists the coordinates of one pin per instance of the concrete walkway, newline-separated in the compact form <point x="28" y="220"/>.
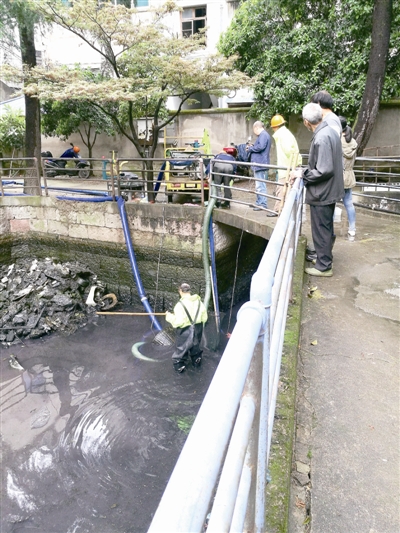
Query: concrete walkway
<point x="346" y="463"/>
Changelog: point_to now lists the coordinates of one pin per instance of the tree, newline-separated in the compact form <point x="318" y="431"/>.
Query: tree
<point x="62" y="119"/>
<point x="297" y="47"/>
<point x="17" y="14"/>
<point x="144" y="65"/>
<point x="12" y="132"/>
<point x="376" y="72"/>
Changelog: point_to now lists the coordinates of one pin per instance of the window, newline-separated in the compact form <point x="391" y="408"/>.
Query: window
<point x="127" y="3"/>
<point x="193" y="20"/>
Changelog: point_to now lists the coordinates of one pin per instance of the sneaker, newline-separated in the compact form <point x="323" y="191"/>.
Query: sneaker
<point x="225" y="205"/>
<point x="351" y="234"/>
<point x="316" y="272"/>
<point x="197" y="362"/>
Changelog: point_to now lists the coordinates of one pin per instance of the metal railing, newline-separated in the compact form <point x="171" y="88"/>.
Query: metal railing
<point x="222" y="469"/>
<point x="170" y="179"/>
<point x="377" y="183"/>
<point x="243" y="184"/>
<point x="19" y="176"/>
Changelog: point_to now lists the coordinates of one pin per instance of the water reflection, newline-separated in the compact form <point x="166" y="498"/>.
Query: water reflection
<point x="89" y="433"/>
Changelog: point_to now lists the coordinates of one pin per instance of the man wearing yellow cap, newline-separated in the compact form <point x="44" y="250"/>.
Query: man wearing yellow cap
<point x="286" y="144"/>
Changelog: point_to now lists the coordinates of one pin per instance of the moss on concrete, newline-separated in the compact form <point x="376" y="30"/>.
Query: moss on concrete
<point x="277" y="495"/>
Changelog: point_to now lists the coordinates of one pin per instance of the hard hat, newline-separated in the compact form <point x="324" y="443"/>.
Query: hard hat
<point x="76" y="149"/>
<point x="231" y="150"/>
<point x="277" y="120"/>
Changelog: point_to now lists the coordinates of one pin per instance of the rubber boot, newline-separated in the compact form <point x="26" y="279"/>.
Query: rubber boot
<point x="179" y="366"/>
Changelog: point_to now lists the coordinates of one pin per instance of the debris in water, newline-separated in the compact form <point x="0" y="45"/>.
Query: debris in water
<point x="14" y="363"/>
<point x="40" y="296"/>
<point x="40" y="418"/>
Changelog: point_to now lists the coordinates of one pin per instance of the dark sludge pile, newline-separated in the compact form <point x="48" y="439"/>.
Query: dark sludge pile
<point x="38" y="297"/>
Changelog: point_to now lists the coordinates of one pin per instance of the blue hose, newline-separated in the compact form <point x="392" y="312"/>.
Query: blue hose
<point x="132" y="259"/>
<point x="131" y="253"/>
<point x="160" y="177"/>
<point x="75" y="199"/>
<point x="80" y="191"/>
<point x="15" y="194"/>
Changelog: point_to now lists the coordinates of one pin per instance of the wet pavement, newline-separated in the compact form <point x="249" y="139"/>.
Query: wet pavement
<point x="89" y="433"/>
<point x="347" y="452"/>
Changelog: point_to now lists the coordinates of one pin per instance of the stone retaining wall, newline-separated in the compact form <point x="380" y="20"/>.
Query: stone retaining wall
<point x="166" y="240"/>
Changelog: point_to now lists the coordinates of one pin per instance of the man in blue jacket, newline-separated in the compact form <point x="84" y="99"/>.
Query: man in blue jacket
<point x="259" y="153"/>
<point x="72" y="152"/>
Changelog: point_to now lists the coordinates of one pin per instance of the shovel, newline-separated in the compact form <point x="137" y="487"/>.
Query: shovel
<point x="129" y="314"/>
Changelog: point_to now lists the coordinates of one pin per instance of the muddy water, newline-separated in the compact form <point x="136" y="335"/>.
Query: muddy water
<point x="89" y="433"/>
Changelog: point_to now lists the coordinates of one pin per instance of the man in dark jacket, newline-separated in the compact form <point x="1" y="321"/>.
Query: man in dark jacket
<point x="325" y="101"/>
<point x="323" y="180"/>
<point x="222" y="169"/>
<point x="259" y="153"/>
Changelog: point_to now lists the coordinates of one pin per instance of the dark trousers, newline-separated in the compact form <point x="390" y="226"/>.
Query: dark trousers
<point x="223" y="178"/>
<point x="186" y="347"/>
<point x="322" y="234"/>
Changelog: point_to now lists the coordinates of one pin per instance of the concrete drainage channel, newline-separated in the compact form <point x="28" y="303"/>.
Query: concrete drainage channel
<point x="89" y="434"/>
<point x="84" y="400"/>
<point x="78" y="416"/>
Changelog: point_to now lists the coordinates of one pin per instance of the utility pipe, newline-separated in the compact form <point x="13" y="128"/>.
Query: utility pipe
<point x="239" y="514"/>
<point x="206" y="261"/>
<point x="187" y="497"/>
<point x="224" y="502"/>
<point x="135" y="269"/>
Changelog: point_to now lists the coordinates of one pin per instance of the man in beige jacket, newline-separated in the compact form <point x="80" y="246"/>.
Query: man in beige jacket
<point x="286" y="145"/>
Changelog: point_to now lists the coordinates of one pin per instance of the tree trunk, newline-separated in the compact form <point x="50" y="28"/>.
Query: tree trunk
<point x="381" y="22"/>
<point x="32" y="106"/>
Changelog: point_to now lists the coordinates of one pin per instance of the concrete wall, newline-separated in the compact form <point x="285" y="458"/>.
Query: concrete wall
<point x="166" y="239"/>
<point x="226" y="126"/>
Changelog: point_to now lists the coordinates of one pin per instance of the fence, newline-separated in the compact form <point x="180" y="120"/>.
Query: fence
<point x="19" y="168"/>
<point x="231" y="436"/>
<point x="184" y="180"/>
